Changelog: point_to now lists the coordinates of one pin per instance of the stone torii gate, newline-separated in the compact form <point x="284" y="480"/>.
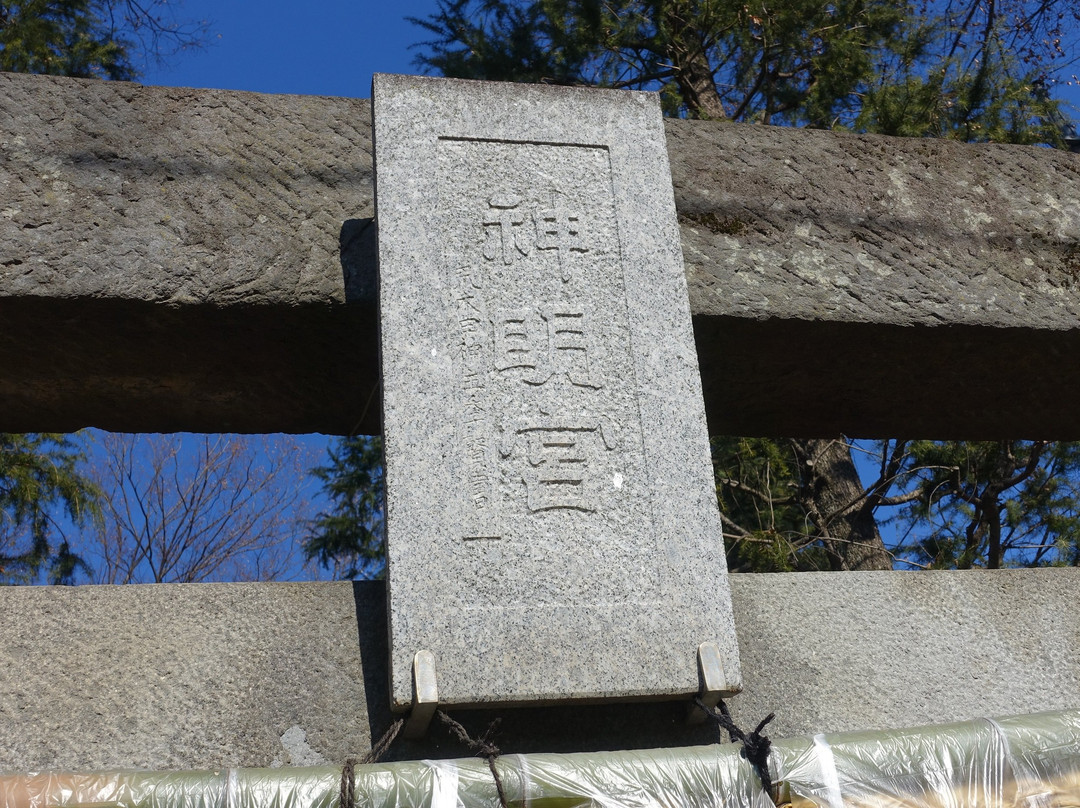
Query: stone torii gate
<point x="204" y="260"/>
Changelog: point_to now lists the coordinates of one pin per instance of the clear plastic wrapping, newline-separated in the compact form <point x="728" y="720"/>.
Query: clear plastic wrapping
<point x="1031" y="761"/>
<point x="1023" y="762"/>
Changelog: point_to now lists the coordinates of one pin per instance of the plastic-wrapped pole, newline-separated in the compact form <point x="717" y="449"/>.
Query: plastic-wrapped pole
<point x="315" y="787"/>
<point x="1030" y="761"/>
<point x="1026" y="762"/>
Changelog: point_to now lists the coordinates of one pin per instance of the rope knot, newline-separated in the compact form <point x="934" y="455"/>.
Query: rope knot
<point x="347" y="791"/>
<point x="482" y="747"/>
<point x="755" y="746"/>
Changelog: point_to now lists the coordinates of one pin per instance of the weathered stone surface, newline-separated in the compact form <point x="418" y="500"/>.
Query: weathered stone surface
<point x="872" y="275"/>
<point x="212" y="675"/>
<point x="166" y="676"/>
<point x="826" y="226"/>
<point x="885" y="650"/>
<point x="869" y="274"/>
<point x="181" y="259"/>
<point x="551" y="514"/>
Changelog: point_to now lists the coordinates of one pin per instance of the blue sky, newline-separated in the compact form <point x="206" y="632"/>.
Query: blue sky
<point x="325" y="47"/>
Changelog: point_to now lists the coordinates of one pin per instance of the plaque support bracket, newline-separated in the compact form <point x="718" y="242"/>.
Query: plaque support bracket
<point x="714" y="684"/>
<point x="425" y="695"/>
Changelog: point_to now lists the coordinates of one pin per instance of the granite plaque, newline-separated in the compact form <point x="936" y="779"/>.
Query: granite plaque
<point x="552" y="526"/>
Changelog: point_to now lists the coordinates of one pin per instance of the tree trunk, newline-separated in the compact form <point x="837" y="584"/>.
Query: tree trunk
<point x="992" y="515"/>
<point x="693" y="73"/>
<point x="834" y="497"/>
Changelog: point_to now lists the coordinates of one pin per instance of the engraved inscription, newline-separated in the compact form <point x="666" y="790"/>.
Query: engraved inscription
<point x="551" y="431"/>
<point x="507" y="229"/>
<point x="562" y="469"/>
<point x="512" y="230"/>
<point x="548" y="340"/>
<point x="474" y="361"/>
<point x="551" y="537"/>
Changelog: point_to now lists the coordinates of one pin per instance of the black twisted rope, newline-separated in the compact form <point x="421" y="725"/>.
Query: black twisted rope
<point x="347" y="791"/>
<point x="755" y="749"/>
<point x="755" y="746"/>
<point x="482" y="747"/>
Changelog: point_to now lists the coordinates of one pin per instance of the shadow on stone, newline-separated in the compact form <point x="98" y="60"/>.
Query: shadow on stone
<point x="135" y="366"/>
<point x="556" y="728"/>
<point x="370" y="598"/>
<point x="360" y="260"/>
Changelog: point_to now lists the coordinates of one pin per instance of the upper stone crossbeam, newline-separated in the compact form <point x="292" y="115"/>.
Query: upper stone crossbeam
<point x="176" y="259"/>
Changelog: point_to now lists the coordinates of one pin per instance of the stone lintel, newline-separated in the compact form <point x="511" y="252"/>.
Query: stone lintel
<point x="202" y="676"/>
<point x="837" y="282"/>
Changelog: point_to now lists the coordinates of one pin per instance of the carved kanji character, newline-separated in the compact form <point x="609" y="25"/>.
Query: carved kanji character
<point x="562" y="464"/>
<point x="551" y="341"/>
<point x="506" y="238"/>
<point x="568" y="346"/>
<point x="557" y="467"/>
<point x="559" y="228"/>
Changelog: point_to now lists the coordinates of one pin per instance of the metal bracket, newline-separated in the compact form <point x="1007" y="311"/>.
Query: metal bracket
<point x="712" y="680"/>
<point x="425" y="695"/>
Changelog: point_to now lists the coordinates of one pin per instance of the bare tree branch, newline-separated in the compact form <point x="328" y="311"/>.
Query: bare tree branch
<point x="181" y="508"/>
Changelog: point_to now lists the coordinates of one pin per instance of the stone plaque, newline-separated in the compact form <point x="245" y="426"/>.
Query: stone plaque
<point x="552" y="526"/>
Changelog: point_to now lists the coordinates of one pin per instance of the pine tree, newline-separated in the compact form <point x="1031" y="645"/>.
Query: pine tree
<point x="968" y="69"/>
<point x="90" y="38"/>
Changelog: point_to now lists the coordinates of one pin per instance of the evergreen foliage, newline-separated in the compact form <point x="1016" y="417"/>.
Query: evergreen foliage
<point x="953" y="504"/>
<point x="39" y="473"/>
<point x="91" y="38"/>
<point x="62" y="38"/>
<point x="993" y="504"/>
<point x="965" y="69"/>
<point x="709" y="58"/>
<point x="349" y="538"/>
<point x="764" y="530"/>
